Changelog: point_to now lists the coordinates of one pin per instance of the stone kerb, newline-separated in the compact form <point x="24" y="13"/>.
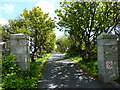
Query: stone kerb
<point x="19" y="46"/>
<point x="107" y="57"/>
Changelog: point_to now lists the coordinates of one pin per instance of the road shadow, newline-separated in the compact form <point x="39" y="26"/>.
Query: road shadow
<point x="60" y="72"/>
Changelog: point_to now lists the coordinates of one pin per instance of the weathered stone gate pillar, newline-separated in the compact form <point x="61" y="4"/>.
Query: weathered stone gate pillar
<point x="119" y="54"/>
<point x="19" y="46"/>
<point x="108" y="57"/>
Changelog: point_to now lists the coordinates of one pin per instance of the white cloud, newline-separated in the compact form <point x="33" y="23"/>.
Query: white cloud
<point x="28" y="0"/>
<point x="8" y="8"/>
<point x="47" y="6"/>
<point x="17" y="0"/>
<point x="3" y="21"/>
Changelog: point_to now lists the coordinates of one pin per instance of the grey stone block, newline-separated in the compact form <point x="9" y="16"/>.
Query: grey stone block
<point x="22" y="58"/>
<point x="18" y="36"/>
<point x="107" y="36"/>
<point x="107" y="42"/>
<point x="108" y="57"/>
<point x="23" y="65"/>
<point x="19" y="46"/>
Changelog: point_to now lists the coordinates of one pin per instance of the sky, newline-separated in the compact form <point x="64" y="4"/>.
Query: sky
<point x="11" y="9"/>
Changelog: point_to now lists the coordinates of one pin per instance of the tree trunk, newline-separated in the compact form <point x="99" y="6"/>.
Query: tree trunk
<point x="32" y="57"/>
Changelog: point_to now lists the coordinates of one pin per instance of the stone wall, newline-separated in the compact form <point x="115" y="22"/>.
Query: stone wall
<point x="19" y="46"/>
<point x="108" y="57"/>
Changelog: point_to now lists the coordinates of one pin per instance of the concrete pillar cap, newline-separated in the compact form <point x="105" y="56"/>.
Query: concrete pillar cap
<point x="17" y="36"/>
<point x="107" y="36"/>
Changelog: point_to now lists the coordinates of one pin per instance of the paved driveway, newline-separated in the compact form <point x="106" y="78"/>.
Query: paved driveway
<point x="61" y="72"/>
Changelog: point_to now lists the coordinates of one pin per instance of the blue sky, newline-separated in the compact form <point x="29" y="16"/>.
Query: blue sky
<point x="11" y="9"/>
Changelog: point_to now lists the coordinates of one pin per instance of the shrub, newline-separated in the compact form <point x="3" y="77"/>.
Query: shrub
<point x="13" y="77"/>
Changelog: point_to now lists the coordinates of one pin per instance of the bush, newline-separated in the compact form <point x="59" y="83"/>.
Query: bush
<point x="13" y="77"/>
<point x="9" y="65"/>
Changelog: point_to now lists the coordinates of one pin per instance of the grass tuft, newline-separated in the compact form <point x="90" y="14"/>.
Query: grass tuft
<point x="91" y="67"/>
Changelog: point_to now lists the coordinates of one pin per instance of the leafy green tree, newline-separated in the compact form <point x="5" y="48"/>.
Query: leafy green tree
<point x="50" y="43"/>
<point x="36" y="24"/>
<point x="84" y="21"/>
<point x="40" y="24"/>
<point x="62" y="44"/>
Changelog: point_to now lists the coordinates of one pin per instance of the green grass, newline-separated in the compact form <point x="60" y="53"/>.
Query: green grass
<point x="14" y="78"/>
<point x="90" y="67"/>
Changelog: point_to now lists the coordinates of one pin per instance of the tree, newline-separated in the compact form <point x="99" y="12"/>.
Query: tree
<point x="62" y="44"/>
<point x="36" y="24"/>
<point x="50" y="42"/>
<point x="39" y="25"/>
<point x="84" y="21"/>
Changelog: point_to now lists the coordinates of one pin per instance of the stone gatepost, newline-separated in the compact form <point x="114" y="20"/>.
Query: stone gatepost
<point x="119" y="53"/>
<point x="108" y="57"/>
<point x="19" y="46"/>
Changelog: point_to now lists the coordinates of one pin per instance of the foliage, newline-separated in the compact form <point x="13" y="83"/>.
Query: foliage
<point x="49" y="43"/>
<point x="62" y="44"/>
<point x="38" y="26"/>
<point x="90" y="67"/>
<point x="84" y="21"/>
<point x="9" y="65"/>
<point x="12" y="77"/>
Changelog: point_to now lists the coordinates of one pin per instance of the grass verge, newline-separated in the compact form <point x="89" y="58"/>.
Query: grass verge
<point x="89" y="67"/>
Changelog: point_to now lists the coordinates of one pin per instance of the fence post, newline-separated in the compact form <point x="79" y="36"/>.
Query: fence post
<point x="19" y="46"/>
<point x="107" y="57"/>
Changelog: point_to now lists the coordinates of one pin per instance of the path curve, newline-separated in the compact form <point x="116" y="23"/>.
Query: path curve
<point x="60" y="72"/>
